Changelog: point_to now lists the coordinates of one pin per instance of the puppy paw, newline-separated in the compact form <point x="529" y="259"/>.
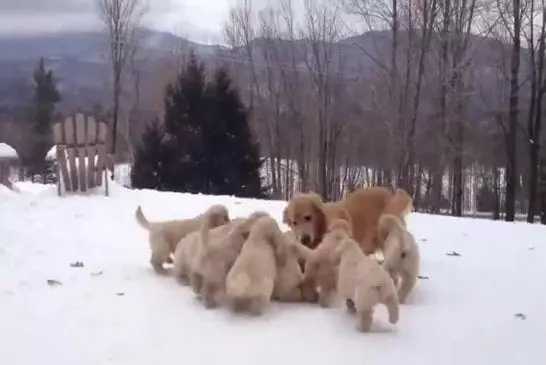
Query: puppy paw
<point x="364" y="321"/>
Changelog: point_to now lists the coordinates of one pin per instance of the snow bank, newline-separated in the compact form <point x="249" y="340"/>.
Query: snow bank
<point x="6" y="151"/>
<point x="6" y="192"/>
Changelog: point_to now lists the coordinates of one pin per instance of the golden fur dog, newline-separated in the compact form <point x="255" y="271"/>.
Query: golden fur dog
<point x="251" y="280"/>
<point x="216" y="256"/>
<point x="363" y="283"/>
<point x="289" y="274"/>
<point x="400" y="252"/>
<point x="400" y="205"/>
<point x="321" y="264"/>
<point x="188" y="249"/>
<point x="309" y="217"/>
<point x="165" y="236"/>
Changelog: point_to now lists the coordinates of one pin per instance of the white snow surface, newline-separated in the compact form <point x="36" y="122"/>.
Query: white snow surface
<point x="7" y="151"/>
<point x="116" y="310"/>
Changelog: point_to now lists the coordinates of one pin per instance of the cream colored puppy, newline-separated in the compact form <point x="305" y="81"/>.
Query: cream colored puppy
<point x="289" y="274"/>
<point x="401" y="253"/>
<point x="364" y="284"/>
<point x="251" y="280"/>
<point x="321" y="264"/>
<point x="165" y="236"/>
<point x="188" y="250"/>
<point x="216" y="255"/>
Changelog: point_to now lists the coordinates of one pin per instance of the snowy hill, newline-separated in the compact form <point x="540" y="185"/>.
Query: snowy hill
<point x="486" y="306"/>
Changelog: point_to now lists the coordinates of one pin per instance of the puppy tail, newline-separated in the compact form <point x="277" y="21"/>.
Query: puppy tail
<point x="141" y="219"/>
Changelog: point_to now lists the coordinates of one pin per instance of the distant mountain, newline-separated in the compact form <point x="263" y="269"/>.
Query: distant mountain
<point x="81" y="64"/>
<point x="80" y="61"/>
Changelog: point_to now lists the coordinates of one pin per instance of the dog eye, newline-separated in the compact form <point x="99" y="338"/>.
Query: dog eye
<point x="294" y="223"/>
<point x="307" y="218"/>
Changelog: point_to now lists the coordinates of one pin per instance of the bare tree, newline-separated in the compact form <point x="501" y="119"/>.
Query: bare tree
<point x="511" y="16"/>
<point x="538" y="88"/>
<point x="323" y="29"/>
<point x="122" y="18"/>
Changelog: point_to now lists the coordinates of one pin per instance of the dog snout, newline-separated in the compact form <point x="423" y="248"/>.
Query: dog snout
<point x="306" y="240"/>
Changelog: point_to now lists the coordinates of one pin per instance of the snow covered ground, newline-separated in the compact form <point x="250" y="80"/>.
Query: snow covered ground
<point x="486" y="306"/>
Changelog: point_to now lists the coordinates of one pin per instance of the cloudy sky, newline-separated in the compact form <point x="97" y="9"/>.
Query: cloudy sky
<point x="199" y="20"/>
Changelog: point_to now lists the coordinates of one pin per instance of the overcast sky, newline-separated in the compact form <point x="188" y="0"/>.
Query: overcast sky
<point x="199" y="20"/>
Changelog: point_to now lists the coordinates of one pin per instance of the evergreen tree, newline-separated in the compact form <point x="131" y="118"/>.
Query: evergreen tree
<point x="148" y="170"/>
<point x="46" y="96"/>
<point x="185" y="116"/>
<point x="233" y="156"/>
<point x="207" y="145"/>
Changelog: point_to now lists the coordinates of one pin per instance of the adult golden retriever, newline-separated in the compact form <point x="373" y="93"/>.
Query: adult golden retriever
<point x="308" y="216"/>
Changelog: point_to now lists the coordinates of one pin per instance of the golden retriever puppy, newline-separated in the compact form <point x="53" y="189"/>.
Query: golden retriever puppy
<point x="251" y="280"/>
<point x="165" y="236"/>
<point x="401" y="253"/>
<point x="363" y="284"/>
<point x="189" y="247"/>
<point x="289" y="274"/>
<point x="321" y="264"/>
<point x="216" y="255"/>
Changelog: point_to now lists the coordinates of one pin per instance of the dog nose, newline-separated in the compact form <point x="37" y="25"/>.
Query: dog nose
<point x="306" y="240"/>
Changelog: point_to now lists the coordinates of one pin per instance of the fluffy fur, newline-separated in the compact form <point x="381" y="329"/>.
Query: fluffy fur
<point x="400" y="205"/>
<point x="165" y="236"/>
<point x="321" y="264"/>
<point x="289" y="274"/>
<point x="216" y="256"/>
<point x="364" y="284"/>
<point x="189" y="248"/>
<point x="251" y="280"/>
<point x="308" y="217"/>
<point x="401" y="253"/>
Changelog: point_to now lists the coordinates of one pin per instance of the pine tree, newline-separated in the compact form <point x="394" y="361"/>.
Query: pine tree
<point x="148" y="170"/>
<point x="233" y="156"/>
<point x="185" y="115"/>
<point x="46" y="96"/>
<point x="207" y="145"/>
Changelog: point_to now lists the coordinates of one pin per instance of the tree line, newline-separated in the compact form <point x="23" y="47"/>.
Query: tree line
<point x="444" y="98"/>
